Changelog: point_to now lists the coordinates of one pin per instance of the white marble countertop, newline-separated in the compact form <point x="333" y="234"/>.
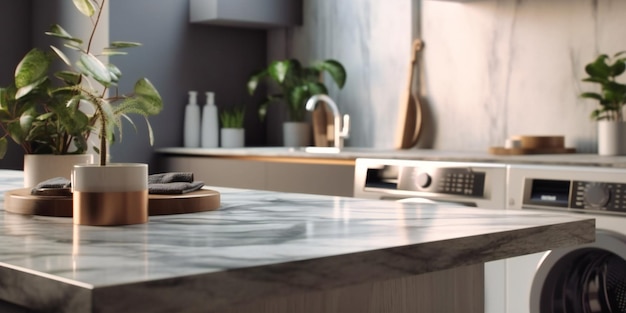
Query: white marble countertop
<point x="351" y="153"/>
<point x="256" y="244"/>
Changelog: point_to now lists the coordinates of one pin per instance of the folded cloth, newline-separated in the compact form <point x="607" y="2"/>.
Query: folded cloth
<point x="172" y="177"/>
<point x="174" y="188"/>
<point x="60" y="183"/>
<point x="173" y="183"/>
<point x="164" y="183"/>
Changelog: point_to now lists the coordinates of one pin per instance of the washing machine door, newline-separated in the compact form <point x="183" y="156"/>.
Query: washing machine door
<point x="584" y="279"/>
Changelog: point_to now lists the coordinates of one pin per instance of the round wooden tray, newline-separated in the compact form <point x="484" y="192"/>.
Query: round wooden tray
<point x="520" y="151"/>
<point x="22" y="202"/>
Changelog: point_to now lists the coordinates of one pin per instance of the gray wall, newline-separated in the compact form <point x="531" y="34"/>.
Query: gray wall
<point x="178" y="56"/>
<point x="372" y="39"/>
<point x="15" y="22"/>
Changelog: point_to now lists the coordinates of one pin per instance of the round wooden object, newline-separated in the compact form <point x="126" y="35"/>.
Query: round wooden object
<point x="22" y="202"/>
<point x="520" y="151"/>
<point x="542" y="142"/>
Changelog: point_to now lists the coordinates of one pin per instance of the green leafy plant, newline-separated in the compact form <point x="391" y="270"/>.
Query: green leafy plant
<point x="45" y="116"/>
<point x="612" y="96"/>
<point x="296" y="83"/>
<point x="232" y="118"/>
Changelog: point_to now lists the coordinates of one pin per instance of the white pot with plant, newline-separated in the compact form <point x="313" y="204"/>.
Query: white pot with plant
<point x="232" y="132"/>
<point x="41" y="115"/>
<point x="604" y="71"/>
<point x="103" y="194"/>
<point x="296" y="84"/>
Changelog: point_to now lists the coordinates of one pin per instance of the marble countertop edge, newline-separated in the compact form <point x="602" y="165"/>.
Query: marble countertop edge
<point x="223" y="289"/>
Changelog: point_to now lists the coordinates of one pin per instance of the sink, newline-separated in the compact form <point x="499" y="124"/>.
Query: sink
<point x="311" y="149"/>
<point x="322" y="149"/>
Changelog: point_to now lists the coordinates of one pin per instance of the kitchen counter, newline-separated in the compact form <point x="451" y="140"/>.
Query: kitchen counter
<point x="349" y="154"/>
<point x="257" y="245"/>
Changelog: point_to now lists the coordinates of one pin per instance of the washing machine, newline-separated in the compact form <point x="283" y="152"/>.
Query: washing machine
<point x="463" y="183"/>
<point x="584" y="279"/>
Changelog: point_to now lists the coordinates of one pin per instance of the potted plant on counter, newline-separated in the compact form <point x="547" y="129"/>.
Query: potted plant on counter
<point x="296" y="84"/>
<point x="604" y="71"/>
<point x="44" y="121"/>
<point x="103" y="194"/>
<point x="232" y="132"/>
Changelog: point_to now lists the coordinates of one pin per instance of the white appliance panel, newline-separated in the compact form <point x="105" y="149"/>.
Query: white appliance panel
<point x="592" y="192"/>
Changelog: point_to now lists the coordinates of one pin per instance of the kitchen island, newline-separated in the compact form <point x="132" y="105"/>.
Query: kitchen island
<point x="265" y="252"/>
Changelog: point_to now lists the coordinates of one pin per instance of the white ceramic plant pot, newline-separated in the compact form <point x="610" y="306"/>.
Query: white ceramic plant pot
<point x="296" y="134"/>
<point x="115" y="194"/>
<point x="40" y="167"/>
<point x="611" y="138"/>
<point x="232" y="137"/>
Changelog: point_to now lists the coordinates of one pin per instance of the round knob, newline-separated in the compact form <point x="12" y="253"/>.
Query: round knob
<point x="597" y="196"/>
<point x="423" y="180"/>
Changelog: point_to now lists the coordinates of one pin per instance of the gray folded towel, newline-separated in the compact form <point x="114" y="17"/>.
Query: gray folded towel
<point x="164" y="183"/>
<point x="174" y="188"/>
<point x="173" y="183"/>
<point x="173" y="177"/>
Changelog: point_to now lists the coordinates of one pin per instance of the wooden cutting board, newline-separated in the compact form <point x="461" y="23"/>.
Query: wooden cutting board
<point x="22" y="202"/>
<point x="410" y="108"/>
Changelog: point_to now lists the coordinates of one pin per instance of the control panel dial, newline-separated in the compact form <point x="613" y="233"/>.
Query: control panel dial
<point x="597" y="195"/>
<point x="423" y="180"/>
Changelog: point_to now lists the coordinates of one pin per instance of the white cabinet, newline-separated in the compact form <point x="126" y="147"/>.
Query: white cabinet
<point x="247" y="13"/>
<point x="285" y="175"/>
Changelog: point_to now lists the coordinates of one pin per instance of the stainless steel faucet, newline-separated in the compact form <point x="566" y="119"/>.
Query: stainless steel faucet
<point x="340" y="131"/>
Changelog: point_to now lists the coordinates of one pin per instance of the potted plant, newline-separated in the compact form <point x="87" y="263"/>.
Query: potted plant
<point x="103" y="194"/>
<point x="604" y="71"/>
<point x="232" y="132"/>
<point x="43" y="121"/>
<point x="296" y="84"/>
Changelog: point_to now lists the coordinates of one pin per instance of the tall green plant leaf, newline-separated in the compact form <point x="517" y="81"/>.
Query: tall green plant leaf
<point x="599" y="68"/>
<point x="253" y="82"/>
<point x="57" y="31"/>
<point x="86" y="7"/>
<point x="278" y="70"/>
<point x="61" y="55"/>
<point x="123" y="44"/>
<point x="336" y="71"/>
<point x="149" y="96"/>
<point x="20" y="128"/>
<point x="93" y="67"/>
<point x="32" y="68"/>
<point x="24" y="91"/>
<point x="70" y="78"/>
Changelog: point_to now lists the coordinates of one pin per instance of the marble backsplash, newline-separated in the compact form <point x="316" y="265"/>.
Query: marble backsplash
<point x="491" y="69"/>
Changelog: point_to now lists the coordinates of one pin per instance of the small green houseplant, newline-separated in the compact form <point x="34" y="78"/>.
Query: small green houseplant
<point x="232" y="118"/>
<point x="232" y="132"/>
<point x="296" y="83"/>
<point x="604" y="71"/>
<point x="44" y="116"/>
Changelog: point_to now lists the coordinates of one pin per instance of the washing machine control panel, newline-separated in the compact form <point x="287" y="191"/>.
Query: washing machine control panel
<point x="576" y="195"/>
<point x="598" y="196"/>
<point x="443" y="180"/>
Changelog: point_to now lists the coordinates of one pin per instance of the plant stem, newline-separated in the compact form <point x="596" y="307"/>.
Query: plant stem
<point x="95" y="26"/>
<point x="103" y="140"/>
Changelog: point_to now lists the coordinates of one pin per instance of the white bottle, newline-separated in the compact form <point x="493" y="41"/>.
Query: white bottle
<point x="192" y="122"/>
<point x="210" y="131"/>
